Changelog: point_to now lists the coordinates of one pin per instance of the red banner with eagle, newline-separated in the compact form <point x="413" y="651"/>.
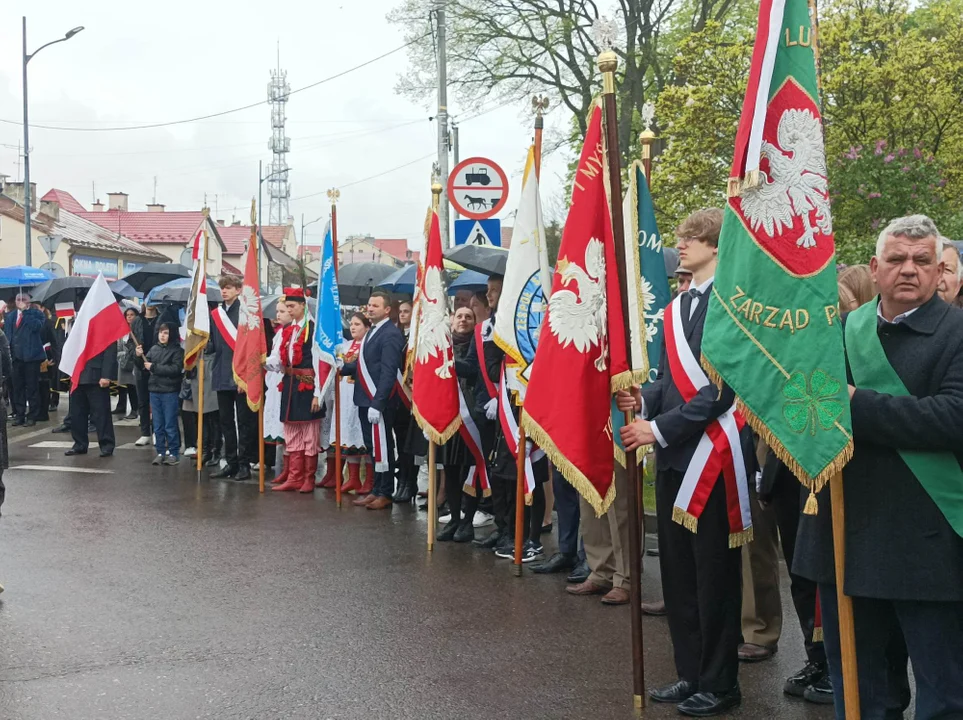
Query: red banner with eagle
<point x="250" y="350"/>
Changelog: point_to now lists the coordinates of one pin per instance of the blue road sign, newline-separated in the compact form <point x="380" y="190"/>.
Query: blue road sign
<point x="478" y="232"/>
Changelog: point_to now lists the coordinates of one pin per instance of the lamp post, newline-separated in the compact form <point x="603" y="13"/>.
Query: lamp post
<point x="304" y="225"/>
<point x="28" y="257"/>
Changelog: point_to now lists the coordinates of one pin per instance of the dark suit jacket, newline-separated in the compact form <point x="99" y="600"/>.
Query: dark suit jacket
<point x="100" y="366"/>
<point x="26" y="344"/>
<point x="681" y="423"/>
<point x="899" y="545"/>
<point x="382" y="356"/>
<point x="223" y="370"/>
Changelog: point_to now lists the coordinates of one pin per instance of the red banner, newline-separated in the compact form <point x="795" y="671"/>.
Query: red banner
<point x="250" y="348"/>
<point x="434" y="385"/>
<point x="581" y="357"/>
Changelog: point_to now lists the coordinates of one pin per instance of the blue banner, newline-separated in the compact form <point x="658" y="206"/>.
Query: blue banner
<point x="327" y="330"/>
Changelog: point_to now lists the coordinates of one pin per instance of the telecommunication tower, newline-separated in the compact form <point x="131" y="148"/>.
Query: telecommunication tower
<point x="279" y="185"/>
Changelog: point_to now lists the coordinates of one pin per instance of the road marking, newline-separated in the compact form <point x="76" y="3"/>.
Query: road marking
<point x="62" y="468"/>
<point x="28" y="436"/>
<point x="53" y="444"/>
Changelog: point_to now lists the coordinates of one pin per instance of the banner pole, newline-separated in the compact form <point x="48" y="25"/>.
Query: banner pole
<point x="847" y="628"/>
<point x="200" y="413"/>
<point x="607" y="63"/>
<point x="333" y="195"/>
<point x="260" y="449"/>
<point x="432" y="497"/>
<point x="519" y="497"/>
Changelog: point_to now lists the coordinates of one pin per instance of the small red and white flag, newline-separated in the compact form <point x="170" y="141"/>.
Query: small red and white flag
<point x="99" y="324"/>
<point x="65" y="310"/>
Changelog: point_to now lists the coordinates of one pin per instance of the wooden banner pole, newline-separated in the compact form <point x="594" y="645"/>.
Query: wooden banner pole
<point x="844" y="603"/>
<point x="333" y="195"/>
<point x="432" y="495"/>
<point x="200" y="412"/>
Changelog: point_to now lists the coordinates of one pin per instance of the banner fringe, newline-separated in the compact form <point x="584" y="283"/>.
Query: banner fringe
<point x="626" y="379"/>
<point x="744" y="537"/>
<point x="813" y="484"/>
<point x="433" y="435"/>
<point x="241" y="385"/>
<point x="572" y="474"/>
<point x="817" y="635"/>
<point x="686" y="519"/>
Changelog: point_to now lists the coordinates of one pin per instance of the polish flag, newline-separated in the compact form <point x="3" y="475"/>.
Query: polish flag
<point x="99" y="323"/>
<point x="65" y="310"/>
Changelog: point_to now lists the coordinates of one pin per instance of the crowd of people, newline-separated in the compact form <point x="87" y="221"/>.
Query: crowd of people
<point x="904" y="559"/>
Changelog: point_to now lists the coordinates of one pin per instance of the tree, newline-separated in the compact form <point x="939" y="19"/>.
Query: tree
<point x="508" y="50"/>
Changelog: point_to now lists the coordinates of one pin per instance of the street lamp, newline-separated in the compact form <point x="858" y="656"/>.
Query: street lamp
<point x="304" y="225"/>
<point x="27" y="57"/>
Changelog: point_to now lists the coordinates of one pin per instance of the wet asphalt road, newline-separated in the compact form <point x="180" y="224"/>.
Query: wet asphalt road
<point x="145" y="594"/>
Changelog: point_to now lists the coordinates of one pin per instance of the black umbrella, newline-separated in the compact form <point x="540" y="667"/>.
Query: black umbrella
<point x="356" y="281"/>
<point x="671" y="257"/>
<point x="154" y="274"/>
<point x="72" y="289"/>
<point x="269" y="306"/>
<point x="486" y="259"/>
<point x="179" y="291"/>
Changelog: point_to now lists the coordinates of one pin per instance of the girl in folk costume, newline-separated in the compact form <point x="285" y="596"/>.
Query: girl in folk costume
<point x="301" y="405"/>
<point x="352" y="439"/>
<point x="273" y="427"/>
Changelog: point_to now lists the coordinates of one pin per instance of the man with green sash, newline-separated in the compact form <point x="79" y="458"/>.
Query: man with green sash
<point x="903" y="488"/>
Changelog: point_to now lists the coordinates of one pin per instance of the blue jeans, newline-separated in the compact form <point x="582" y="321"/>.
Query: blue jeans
<point x="167" y="434"/>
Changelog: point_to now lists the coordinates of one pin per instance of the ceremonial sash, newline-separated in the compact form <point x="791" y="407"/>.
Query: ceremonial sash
<point x="510" y="431"/>
<point x="938" y="472"/>
<point x="482" y="368"/>
<point x="226" y="327"/>
<point x="401" y="390"/>
<point x="379" y="433"/>
<point x="472" y="438"/>
<point x="719" y="449"/>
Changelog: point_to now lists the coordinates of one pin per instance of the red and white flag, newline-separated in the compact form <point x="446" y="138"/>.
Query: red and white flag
<point x="435" y="386"/>
<point x="98" y="325"/>
<point x="250" y="346"/>
<point x="197" y="323"/>
<point x="581" y="358"/>
<point x="65" y="310"/>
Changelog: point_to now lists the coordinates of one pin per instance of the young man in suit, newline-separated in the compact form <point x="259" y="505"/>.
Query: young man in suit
<point x="91" y="402"/>
<point x="24" y="327"/>
<point x="701" y="572"/>
<point x="902" y="488"/>
<point x="375" y="372"/>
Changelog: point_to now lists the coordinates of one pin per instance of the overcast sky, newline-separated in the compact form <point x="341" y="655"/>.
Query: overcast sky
<point x="140" y="63"/>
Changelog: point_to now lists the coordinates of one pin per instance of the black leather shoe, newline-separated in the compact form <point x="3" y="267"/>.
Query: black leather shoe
<point x="405" y="493"/>
<point x="106" y="453"/>
<point x="466" y="532"/>
<point x="19" y="421"/>
<point x="709" y="704"/>
<point x="559" y="562"/>
<point x="677" y="692"/>
<point x="61" y="429"/>
<point x="210" y="461"/>
<point x="580" y="574"/>
<point x="224" y="473"/>
<point x="796" y="685"/>
<point x="489" y="542"/>
<point x="75" y="451"/>
<point x="243" y="473"/>
<point x="29" y="422"/>
<point x="448" y="532"/>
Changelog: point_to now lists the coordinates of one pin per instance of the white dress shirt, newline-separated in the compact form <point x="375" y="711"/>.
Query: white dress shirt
<point x="896" y="320"/>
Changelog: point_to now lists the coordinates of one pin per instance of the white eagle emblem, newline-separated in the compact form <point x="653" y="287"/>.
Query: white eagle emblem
<point x="434" y="332"/>
<point x="249" y="310"/>
<point x="796" y="183"/>
<point x="580" y="318"/>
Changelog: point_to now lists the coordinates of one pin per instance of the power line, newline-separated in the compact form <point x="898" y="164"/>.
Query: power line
<point x="223" y="112"/>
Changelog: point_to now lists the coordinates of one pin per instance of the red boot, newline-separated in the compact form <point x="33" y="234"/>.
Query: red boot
<point x="283" y="475"/>
<point x="369" y="474"/>
<point x="328" y="481"/>
<point x="354" y="478"/>
<point x="296" y="470"/>
<point x="310" y="470"/>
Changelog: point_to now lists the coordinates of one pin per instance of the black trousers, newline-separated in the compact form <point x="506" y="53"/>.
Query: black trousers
<point x="407" y="470"/>
<point x="91" y="402"/>
<point x="504" y="505"/>
<point x="787" y="504"/>
<point x="143" y="403"/>
<point x="43" y="404"/>
<point x="702" y="586"/>
<point x="26" y="389"/>
<point x="384" y="482"/>
<point x="240" y="441"/>
<point x="454" y="489"/>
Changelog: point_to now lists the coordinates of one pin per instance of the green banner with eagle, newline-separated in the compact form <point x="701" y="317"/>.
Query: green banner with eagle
<point x="773" y="330"/>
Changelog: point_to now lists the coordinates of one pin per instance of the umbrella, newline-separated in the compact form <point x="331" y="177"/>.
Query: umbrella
<point x="18" y="275"/>
<point x="179" y="291"/>
<point x="469" y="280"/>
<point x="486" y="259"/>
<point x="123" y="288"/>
<point x="671" y="257"/>
<point x="154" y="274"/>
<point x="72" y="289"/>
<point x="269" y="306"/>
<point x="402" y="280"/>
<point x="357" y="280"/>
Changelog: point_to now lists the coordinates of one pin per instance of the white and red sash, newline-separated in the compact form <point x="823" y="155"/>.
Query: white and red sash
<point x="227" y="329"/>
<point x="719" y="450"/>
<point x="472" y="438"/>
<point x="379" y="433"/>
<point x="510" y="430"/>
<point x="401" y="390"/>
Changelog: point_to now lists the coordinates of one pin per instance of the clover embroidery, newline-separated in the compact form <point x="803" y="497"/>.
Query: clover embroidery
<point x="811" y="403"/>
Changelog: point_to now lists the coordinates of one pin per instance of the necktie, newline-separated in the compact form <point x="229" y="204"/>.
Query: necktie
<point x="694" y="293"/>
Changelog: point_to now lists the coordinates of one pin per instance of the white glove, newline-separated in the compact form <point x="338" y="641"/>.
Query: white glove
<point x="374" y="416"/>
<point x="339" y="362"/>
<point x="491" y="409"/>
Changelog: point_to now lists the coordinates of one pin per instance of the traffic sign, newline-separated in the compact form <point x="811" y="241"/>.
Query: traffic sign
<point x="478" y="188"/>
<point x="478" y="232"/>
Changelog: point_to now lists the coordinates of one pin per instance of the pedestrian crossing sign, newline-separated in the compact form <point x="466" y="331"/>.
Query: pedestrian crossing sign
<point x="478" y="232"/>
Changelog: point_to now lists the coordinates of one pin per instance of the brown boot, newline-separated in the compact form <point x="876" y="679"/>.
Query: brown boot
<point x="328" y="481"/>
<point x="282" y="476"/>
<point x="354" y="478"/>
<point x="310" y="470"/>
<point x="296" y="462"/>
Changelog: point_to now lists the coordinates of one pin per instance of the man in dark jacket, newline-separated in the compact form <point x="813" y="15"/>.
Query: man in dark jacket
<point x="240" y="440"/>
<point x="903" y="489"/>
<point x="91" y="400"/>
<point x="24" y="327"/>
<point x="376" y="371"/>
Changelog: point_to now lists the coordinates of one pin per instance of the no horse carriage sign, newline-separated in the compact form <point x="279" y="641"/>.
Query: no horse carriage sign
<point x="477" y="188"/>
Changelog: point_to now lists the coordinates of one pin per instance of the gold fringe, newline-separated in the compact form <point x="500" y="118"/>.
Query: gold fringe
<point x="741" y="538"/>
<point x="812" y="505"/>
<point x="528" y="498"/>
<point x="620" y="454"/>
<point x="571" y="473"/>
<point x="626" y="379"/>
<point x="468" y="490"/>
<point x="734" y="187"/>
<point x="487" y="493"/>
<point x="509" y="350"/>
<point x="751" y="180"/>
<point x="817" y="635"/>
<point x="241" y="385"/>
<point x="813" y="484"/>
<point x="686" y="519"/>
<point x="433" y="435"/>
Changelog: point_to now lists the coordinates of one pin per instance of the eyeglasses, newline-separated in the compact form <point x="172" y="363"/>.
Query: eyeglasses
<point x="687" y="240"/>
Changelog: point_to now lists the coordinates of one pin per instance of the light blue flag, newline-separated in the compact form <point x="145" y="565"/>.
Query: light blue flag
<point x="328" y="338"/>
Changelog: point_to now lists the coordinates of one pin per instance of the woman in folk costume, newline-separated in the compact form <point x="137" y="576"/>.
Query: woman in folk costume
<point x="301" y="404"/>
<point x="352" y="439"/>
<point x="273" y="427"/>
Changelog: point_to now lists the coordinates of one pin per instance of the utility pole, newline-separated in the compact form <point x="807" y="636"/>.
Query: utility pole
<point x="28" y="247"/>
<point x="454" y="132"/>
<point x="442" y="121"/>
